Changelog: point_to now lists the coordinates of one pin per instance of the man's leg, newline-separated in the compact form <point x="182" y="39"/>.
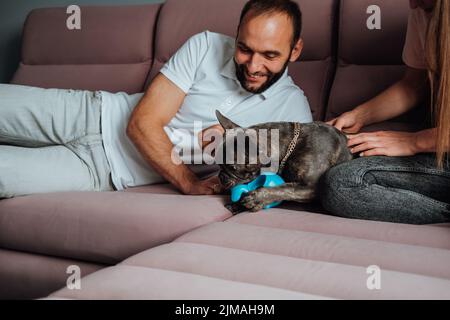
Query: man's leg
<point x="395" y="189"/>
<point x="89" y="149"/>
<point x="36" y="117"/>
<point x="39" y="170"/>
<point x="66" y="120"/>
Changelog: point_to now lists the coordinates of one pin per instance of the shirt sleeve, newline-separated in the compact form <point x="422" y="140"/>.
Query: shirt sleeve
<point x="414" y="48"/>
<point x="182" y="66"/>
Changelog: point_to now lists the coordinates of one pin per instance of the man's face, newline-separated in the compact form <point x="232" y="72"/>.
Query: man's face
<point x="426" y="5"/>
<point x="263" y="50"/>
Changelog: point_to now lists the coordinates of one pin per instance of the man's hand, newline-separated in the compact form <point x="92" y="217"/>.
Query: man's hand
<point x="205" y="187"/>
<point x="384" y="143"/>
<point x="347" y="122"/>
<point x="204" y="137"/>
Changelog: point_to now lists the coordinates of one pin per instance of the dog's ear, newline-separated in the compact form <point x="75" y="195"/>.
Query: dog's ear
<point x="225" y="122"/>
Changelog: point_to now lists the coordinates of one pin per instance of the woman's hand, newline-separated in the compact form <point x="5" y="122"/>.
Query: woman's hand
<point x="348" y="122"/>
<point x="383" y="143"/>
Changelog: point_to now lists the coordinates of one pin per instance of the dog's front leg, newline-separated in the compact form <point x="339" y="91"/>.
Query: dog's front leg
<point x="258" y="199"/>
<point x="235" y="207"/>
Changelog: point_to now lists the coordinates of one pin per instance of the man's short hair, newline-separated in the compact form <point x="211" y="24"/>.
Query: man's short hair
<point x="287" y="7"/>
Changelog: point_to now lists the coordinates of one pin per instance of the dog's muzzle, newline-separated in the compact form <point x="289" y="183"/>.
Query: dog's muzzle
<point x="226" y="180"/>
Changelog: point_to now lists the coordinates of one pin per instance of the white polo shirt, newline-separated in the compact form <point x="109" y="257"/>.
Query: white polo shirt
<point x="203" y="68"/>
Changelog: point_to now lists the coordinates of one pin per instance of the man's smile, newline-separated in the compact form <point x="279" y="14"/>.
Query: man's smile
<point x="256" y="77"/>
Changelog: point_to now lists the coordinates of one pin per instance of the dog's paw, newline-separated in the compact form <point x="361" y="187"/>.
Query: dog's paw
<point x="235" y="208"/>
<point x="254" y="200"/>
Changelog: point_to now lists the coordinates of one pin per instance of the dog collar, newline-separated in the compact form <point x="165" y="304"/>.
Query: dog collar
<point x="291" y="147"/>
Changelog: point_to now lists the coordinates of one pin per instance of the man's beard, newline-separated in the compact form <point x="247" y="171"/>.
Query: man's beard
<point x="271" y="77"/>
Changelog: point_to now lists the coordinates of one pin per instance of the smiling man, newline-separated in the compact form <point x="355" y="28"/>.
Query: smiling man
<point x="245" y="78"/>
<point x="101" y="141"/>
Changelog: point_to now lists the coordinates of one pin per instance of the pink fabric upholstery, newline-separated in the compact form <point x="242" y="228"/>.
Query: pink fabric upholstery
<point x="33" y="276"/>
<point x="102" y="227"/>
<point x="308" y="254"/>
<point x="139" y="283"/>
<point x="112" y="51"/>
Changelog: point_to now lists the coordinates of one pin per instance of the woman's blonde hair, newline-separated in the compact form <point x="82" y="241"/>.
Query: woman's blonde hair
<point x="438" y="58"/>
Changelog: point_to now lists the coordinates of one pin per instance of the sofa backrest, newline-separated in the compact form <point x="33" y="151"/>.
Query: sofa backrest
<point x="113" y="50"/>
<point x="343" y="62"/>
<point x="180" y="19"/>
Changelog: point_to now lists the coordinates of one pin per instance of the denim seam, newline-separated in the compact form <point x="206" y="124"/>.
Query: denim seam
<point x="364" y="171"/>
<point x="343" y="199"/>
<point x="416" y="194"/>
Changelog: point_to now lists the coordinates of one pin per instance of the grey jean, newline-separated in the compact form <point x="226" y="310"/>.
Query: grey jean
<point x="51" y="141"/>
<point x="395" y="189"/>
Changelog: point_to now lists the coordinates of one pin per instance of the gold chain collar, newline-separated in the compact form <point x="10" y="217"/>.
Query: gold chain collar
<point x="291" y="147"/>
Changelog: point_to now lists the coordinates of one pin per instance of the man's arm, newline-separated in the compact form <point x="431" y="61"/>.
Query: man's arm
<point x="157" y="107"/>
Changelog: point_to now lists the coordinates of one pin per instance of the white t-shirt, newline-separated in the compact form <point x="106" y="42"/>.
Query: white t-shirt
<point x="203" y="68"/>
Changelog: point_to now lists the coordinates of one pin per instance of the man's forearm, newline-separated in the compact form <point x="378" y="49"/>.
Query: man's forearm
<point x="156" y="148"/>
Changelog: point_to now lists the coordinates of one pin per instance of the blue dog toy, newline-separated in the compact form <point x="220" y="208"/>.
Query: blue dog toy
<point x="266" y="179"/>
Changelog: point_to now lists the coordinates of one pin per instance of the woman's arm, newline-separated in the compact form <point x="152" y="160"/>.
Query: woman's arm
<point x="426" y="141"/>
<point x="396" y="100"/>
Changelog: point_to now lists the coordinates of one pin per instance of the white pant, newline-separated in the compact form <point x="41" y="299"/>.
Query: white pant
<point x="50" y="141"/>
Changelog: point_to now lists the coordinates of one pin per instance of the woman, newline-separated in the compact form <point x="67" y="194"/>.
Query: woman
<point x="401" y="177"/>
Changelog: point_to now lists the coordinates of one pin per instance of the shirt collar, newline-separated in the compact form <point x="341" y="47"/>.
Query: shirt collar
<point x="229" y="71"/>
<point x="273" y="89"/>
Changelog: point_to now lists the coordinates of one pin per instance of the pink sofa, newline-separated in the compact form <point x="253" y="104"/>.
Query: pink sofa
<point x="154" y="243"/>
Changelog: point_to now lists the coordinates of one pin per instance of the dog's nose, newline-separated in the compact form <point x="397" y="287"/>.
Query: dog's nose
<point x="225" y="181"/>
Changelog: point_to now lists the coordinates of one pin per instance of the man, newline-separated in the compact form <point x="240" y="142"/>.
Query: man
<point x="220" y="68"/>
<point x="244" y="78"/>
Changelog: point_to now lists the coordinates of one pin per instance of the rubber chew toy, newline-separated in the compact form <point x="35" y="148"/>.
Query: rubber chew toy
<point x="266" y="179"/>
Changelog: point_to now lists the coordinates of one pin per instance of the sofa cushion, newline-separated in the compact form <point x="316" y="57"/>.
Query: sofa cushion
<point x="129" y="282"/>
<point x="102" y="227"/>
<point x="369" y="61"/>
<point x="112" y="51"/>
<point x="29" y="276"/>
<point x="178" y="21"/>
<point x="310" y="254"/>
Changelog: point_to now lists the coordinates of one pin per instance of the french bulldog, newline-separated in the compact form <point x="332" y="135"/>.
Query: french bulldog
<point x="304" y="151"/>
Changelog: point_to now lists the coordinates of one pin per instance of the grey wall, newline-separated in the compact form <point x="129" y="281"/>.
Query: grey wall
<point x="12" y="17"/>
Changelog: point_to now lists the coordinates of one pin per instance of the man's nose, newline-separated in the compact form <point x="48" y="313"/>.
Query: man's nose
<point x="254" y="65"/>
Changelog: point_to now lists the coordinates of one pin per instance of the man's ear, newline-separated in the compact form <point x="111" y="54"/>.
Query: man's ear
<point x="296" y="51"/>
<point x="225" y="122"/>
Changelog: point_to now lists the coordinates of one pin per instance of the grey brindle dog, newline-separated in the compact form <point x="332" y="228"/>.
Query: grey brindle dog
<point x="306" y="151"/>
